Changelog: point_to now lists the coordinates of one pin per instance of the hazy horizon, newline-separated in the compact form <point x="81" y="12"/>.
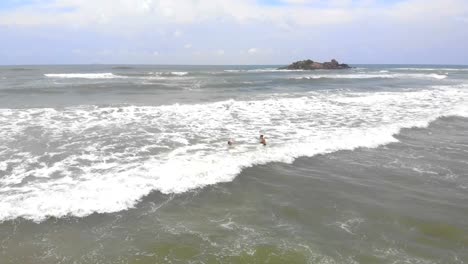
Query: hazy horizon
<point x="278" y="64"/>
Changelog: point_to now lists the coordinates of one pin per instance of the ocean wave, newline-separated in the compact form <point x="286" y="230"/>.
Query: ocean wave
<point x="381" y="75"/>
<point x="179" y="73"/>
<point x="263" y="70"/>
<point x="175" y="73"/>
<point x="106" y="75"/>
<point x="430" y="69"/>
<point x="105" y="159"/>
<point x="274" y="70"/>
<point x="122" y="68"/>
<point x="20" y="69"/>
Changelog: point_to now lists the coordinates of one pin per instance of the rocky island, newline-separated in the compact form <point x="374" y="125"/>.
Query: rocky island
<point x="313" y="65"/>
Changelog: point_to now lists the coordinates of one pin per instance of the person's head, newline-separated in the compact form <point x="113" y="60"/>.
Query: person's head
<point x="229" y="142"/>
<point x="261" y="136"/>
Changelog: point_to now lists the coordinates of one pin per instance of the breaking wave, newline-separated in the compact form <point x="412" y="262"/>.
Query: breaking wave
<point x="382" y="75"/>
<point x="109" y="75"/>
<point x="84" y="75"/>
<point x="431" y="69"/>
<point x="81" y="160"/>
<point x="263" y="70"/>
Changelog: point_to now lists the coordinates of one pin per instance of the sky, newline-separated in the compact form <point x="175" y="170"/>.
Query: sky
<point x="233" y="31"/>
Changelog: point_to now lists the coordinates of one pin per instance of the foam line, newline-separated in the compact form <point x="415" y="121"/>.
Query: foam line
<point x="83" y="75"/>
<point x="381" y="75"/>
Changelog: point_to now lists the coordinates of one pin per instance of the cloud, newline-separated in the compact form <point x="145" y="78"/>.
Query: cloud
<point x="139" y="14"/>
<point x="177" y="33"/>
<point x="267" y="31"/>
<point x="252" y="51"/>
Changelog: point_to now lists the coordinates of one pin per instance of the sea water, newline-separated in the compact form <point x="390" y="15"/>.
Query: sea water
<point x="130" y="164"/>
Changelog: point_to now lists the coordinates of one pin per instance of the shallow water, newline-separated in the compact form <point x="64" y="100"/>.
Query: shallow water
<point x="362" y="166"/>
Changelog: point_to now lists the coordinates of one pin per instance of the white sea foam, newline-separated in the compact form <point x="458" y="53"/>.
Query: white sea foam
<point x="106" y="75"/>
<point x="264" y="70"/>
<point x="175" y="73"/>
<point x="374" y="76"/>
<point x="431" y="69"/>
<point x="350" y="224"/>
<point x="81" y="160"/>
<point x="274" y="70"/>
<point x="179" y="73"/>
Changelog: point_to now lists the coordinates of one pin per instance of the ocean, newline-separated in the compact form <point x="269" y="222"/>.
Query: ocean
<point x="130" y="164"/>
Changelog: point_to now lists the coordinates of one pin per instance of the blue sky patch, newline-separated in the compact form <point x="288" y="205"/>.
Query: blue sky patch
<point x="13" y="4"/>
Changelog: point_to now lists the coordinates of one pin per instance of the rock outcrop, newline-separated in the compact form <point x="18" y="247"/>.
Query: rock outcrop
<point x="312" y="65"/>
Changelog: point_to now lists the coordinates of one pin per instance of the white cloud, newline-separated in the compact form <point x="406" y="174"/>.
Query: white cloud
<point x="177" y="33"/>
<point x="267" y="33"/>
<point x="252" y="51"/>
<point x="423" y="10"/>
<point x="144" y="14"/>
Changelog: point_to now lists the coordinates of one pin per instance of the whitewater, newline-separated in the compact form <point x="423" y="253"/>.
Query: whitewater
<point x="85" y="159"/>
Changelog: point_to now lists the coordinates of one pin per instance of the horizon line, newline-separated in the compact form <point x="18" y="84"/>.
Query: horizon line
<point x="155" y="64"/>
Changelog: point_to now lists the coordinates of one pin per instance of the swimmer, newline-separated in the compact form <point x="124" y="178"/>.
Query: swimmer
<point x="262" y="140"/>
<point x="230" y="142"/>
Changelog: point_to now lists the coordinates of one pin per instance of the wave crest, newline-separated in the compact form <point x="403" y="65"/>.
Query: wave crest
<point x="106" y="75"/>
<point x="374" y="76"/>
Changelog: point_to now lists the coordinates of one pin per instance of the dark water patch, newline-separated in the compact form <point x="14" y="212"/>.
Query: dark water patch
<point x="20" y="69"/>
<point x="437" y="233"/>
<point x="136" y="74"/>
<point x="122" y="67"/>
<point x="32" y="91"/>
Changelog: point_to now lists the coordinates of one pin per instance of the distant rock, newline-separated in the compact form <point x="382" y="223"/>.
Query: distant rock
<point x="313" y="65"/>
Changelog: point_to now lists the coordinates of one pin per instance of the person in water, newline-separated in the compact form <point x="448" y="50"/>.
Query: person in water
<point x="262" y="140"/>
<point x="230" y="142"/>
